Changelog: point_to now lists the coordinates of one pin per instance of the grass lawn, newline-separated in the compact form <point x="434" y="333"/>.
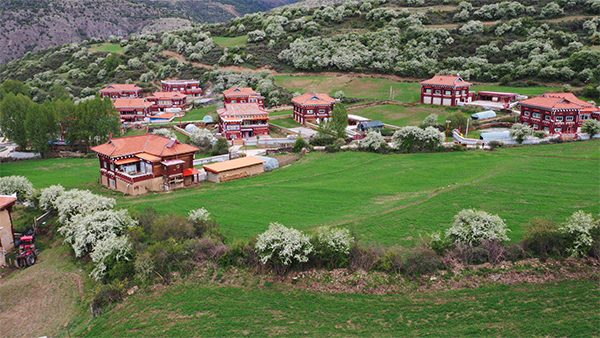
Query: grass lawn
<point x="403" y="116"/>
<point x="529" y="91"/>
<point x="107" y="47"/>
<point x="281" y="112"/>
<point x="288" y="122"/>
<point x="199" y="113"/>
<point x="231" y="42"/>
<point x="553" y="309"/>
<point x="134" y="132"/>
<point x="385" y="199"/>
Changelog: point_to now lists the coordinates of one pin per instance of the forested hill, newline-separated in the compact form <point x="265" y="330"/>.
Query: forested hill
<point x="517" y="43"/>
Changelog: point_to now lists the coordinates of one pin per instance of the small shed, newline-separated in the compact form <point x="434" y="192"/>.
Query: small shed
<point x="495" y="136"/>
<point x="234" y="169"/>
<point x="488" y="114"/>
<point x="355" y="119"/>
<point x="372" y="125"/>
<point x="270" y="163"/>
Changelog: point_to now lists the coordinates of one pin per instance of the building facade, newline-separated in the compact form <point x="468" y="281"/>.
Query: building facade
<point x="555" y="113"/>
<point x="243" y="95"/>
<point x="311" y="107"/>
<point x="137" y="164"/>
<point x="7" y="233"/>
<point x="187" y="87"/>
<point x="133" y="110"/>
<point x="445" y="90"/>
<point x="243" y="120"/>
<point x="115" y="91"/>
<point x="234" y="169"/>
<point x="167" y="100"/>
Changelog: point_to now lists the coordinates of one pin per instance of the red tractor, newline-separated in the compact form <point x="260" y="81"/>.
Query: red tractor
<point x="27" y="253"/>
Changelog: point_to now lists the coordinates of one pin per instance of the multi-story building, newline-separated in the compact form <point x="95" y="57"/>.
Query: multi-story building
<point x="445" y="90"/>
<point x="133" y="110"/>
<point x="555" y="113"/>
<point x="115" y="91"/>
<point x="243" y="120"/>
<point x="166" y="100"/>
<point x="187" y="87"/>
<point x="243" y="95"/>
<point x="137" y="164"/>
<point x="311" y="107"/>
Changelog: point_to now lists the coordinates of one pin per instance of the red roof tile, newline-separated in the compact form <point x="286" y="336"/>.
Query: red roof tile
<point x="312" y="99"/>
<point x="121" y="87"/>
<point x="242" y="109"/>
<point x="557" y="101"/>
<point x="167" y="95"/>
<point x="7" y="201"/>
<point x="447" y="80"/>
<point x="237" y="91"/>
<point x="132" y="103"/>
<point x="151" y="144"/>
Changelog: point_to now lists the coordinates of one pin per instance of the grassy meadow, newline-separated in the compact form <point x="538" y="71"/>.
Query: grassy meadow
<point x="237" y="41"/>
<point x="402" y="115"/>
<point x="199" y="113"/>
<point x="384" y="199"/>
<point x="553" y="309"/>
<point x="287" y="122"/>
<point x="108" y="47"/>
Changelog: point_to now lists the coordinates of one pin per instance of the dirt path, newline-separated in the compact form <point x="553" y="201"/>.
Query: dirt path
<point x="40" y="300"/>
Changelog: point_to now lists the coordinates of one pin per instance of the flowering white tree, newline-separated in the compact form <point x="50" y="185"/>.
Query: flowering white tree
<point x="520" y="132"/>
<point x="283" y="246"/>
<point x="49" y="196"/>
<point x="335" y="240"/>
<point x="80" y="202"/>
<point x="412" y="139"/>
<point x="201" y="137"/>
<point x="591" y="127"/>
<point x="164" y="132"/>
<point x="17" y="184"/>
<point x="199" y="215"/>
<point x="579" y="228"/>
<point x="474" y="226"/>
<point x="373" y="142"/>
<point x="471" y="28"/>
<point x="118" y="247"/>
<point x="256" y="36"/>
<point x="431" y="120"/>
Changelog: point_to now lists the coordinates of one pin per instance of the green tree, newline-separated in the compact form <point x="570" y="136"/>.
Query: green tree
<point x="41" y="127"/>
<point x="457" y="121"/>
<point x="59" y="92"/>
<point x="13" y="113"/>
<point x="221" y="147"/>
<point x="93" y="122"/>
<point x="591" y="127"/>
<point x="111" y="63"/>
<point x="15" y="87"/>
<point x="520" y="132"/>
<point x="339" y="120"/>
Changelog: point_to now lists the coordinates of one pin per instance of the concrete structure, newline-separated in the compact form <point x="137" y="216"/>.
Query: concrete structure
<point x="234" y="169"/>
<point x="133" y="110"/>
<point x="115" y="91"/>
<point x="7" y="234"/>
<point x="243" y="120"/>
<point x="167" y="100"/>
<point x="188" y="87"/>
<point x="311" y="107"/>
<point x="556" y="113"/>
<point x="488" y="114"/>
<point x="445" y="90"/>
<point x="243" y="95"/>
<point x="137" y="164"/>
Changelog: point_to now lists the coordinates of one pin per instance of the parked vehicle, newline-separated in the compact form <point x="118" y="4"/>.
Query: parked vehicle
<point x="27" y="255"/>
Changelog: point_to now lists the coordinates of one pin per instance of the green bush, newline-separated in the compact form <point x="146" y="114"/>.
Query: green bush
<point x="543" y="239"/>
<point x="390" y="261"/>
<point x="421" y="260"/>
<point x="299" y="145"/>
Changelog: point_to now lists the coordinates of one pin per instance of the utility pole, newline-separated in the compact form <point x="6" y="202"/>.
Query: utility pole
<point x="447" y="129"/>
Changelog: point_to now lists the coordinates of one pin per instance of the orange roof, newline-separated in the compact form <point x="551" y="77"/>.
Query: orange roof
<point x="557" y="101"/>
<point x="164" y="116"/>
<point x="7" y="201"/>
<point x="190" y="172"/>
<point x="447" y="80"/>
<point x="151" y="144"/>
<point x="132" y="103"/>
<point x="233" y="164"/>
<point x="148" y="157"/>
<point x="167" y="95"/>
<point x="121" y="87"/>
<point x="242" y="109"/>
<point x="237" y="91"/>
<point x="312" y="99"/>
<point x="127" y="160"/>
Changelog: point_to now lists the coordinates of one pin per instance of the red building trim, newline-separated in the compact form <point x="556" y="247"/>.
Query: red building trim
<point x="445" y="90"/>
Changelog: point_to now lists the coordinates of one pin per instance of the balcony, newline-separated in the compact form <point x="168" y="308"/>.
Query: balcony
<point x="132" y="177"/>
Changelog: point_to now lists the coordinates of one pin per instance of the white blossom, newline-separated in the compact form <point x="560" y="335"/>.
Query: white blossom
<point x="579" y="226"/>
<point x="17" y="184"/>
<point x="80" y="202"/>
<point x="283" y="245"/>
<point x="199" y="215"/>
<point x="473" y="226"/>
<point x="49" y="196"/>
<point x="336" y="240"/>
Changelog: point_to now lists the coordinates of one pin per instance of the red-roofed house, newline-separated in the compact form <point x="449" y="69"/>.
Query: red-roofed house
<point x="7" y="233"/>
<point x="313" y="107"/>
<point x="137" y="164"/>
<point x="445" y="90"/>
<point x="132" y="110"/>
<point x="242" y="95"/>
<point x="555" y="113"/>
<point x="115" y="91"/>
<point x="166" y="100"/>
<point x="242" y="120"/>
<point x="187" y="87"/>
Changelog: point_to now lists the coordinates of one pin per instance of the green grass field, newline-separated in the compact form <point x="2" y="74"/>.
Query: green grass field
<point x="379" y="89"/>
<point x="238" y="41"/>
<point x="199" y="113"/>
<point x="554" y="309"/>
<point x="384" y="199"/>
<point x="288" y="122"/>
<point x="281" y="112"/>
<point x="401" y="115"/>
<point x="108" y="47"/>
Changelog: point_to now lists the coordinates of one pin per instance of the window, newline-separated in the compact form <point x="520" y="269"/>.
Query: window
<point x="525" y="113"/>
<point x="559" y="118"/>
<point x="535" y="126"/>
<point x="112" y="166"/>
<point x="537" y="115"/>
<point x="585" y="116"/>
<point x="322" y="111"/>
<point x="547" y="117"/>
<point x="243" y="101"/>
<point x="112" y="183"/>
<point x="438" y="91"/>
<point x="233" y="101"/>
<point x="569" y="118"/>
<point x="448" y="92"/>
<point x="464" y="92"/>
<point x="309" y="111"/>
<point x="428" y="90"/>
<point x="557" y="130"/>
<point x="525" y="123"/>
<point x="547" y="129"/>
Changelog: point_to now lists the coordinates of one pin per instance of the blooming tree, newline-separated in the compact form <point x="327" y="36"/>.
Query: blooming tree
<point x="335" y="240"/>
<point x="412" y="139"/>
<point x="201" y="137"/>
<point x="199" y="215"/>
<point x="520" y="132"/>
<point x="373" y="142"/>
<point x="164" y="132"/>
<point x="579" y="228"/>
<point x="283" y="246"/>
<point x="17" y="184"/>
<point x="80" y="202"/>
<point x="474" y="226"/>
<point x="49" y="196"/>
<point x="591" y="127"/>
<point x="112" y="245"/>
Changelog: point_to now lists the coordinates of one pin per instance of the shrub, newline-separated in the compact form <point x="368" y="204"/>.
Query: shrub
<point x="474" y="226"/>
<point x="421" y="260"/>
<point x="203" y="224"/>
<point x="201" y="137"/>
<point x="580" y="229"/>
<point x="364" y="258"/>
<point x="322" y="139"/>
<point x="332" y="247"/>
<point x="164" y="132"/>
<point x="221" y="147"/>
<point x="49" y="196"/>
<point x="431" y="121"/>
<point x="17" y="184"/>
<point x="391" y="261"/>
<point x="106" y="294"/>
<point x="539" y="134"/>
<point x="414" y="139"/>
<point x="283" y="247"/>
<point x="80" y="202"/>
<point x="471" y="28"/>
<point x="299" y="145"/>
<point x="373" y="142"/>
<point x="144" y="267"/>
<point x="543" y="238"/>
<point x="591" y="127"/>
<point x="520" y="132"/>
<point x="494" y="144"/>
<point x="172" y="226"/>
